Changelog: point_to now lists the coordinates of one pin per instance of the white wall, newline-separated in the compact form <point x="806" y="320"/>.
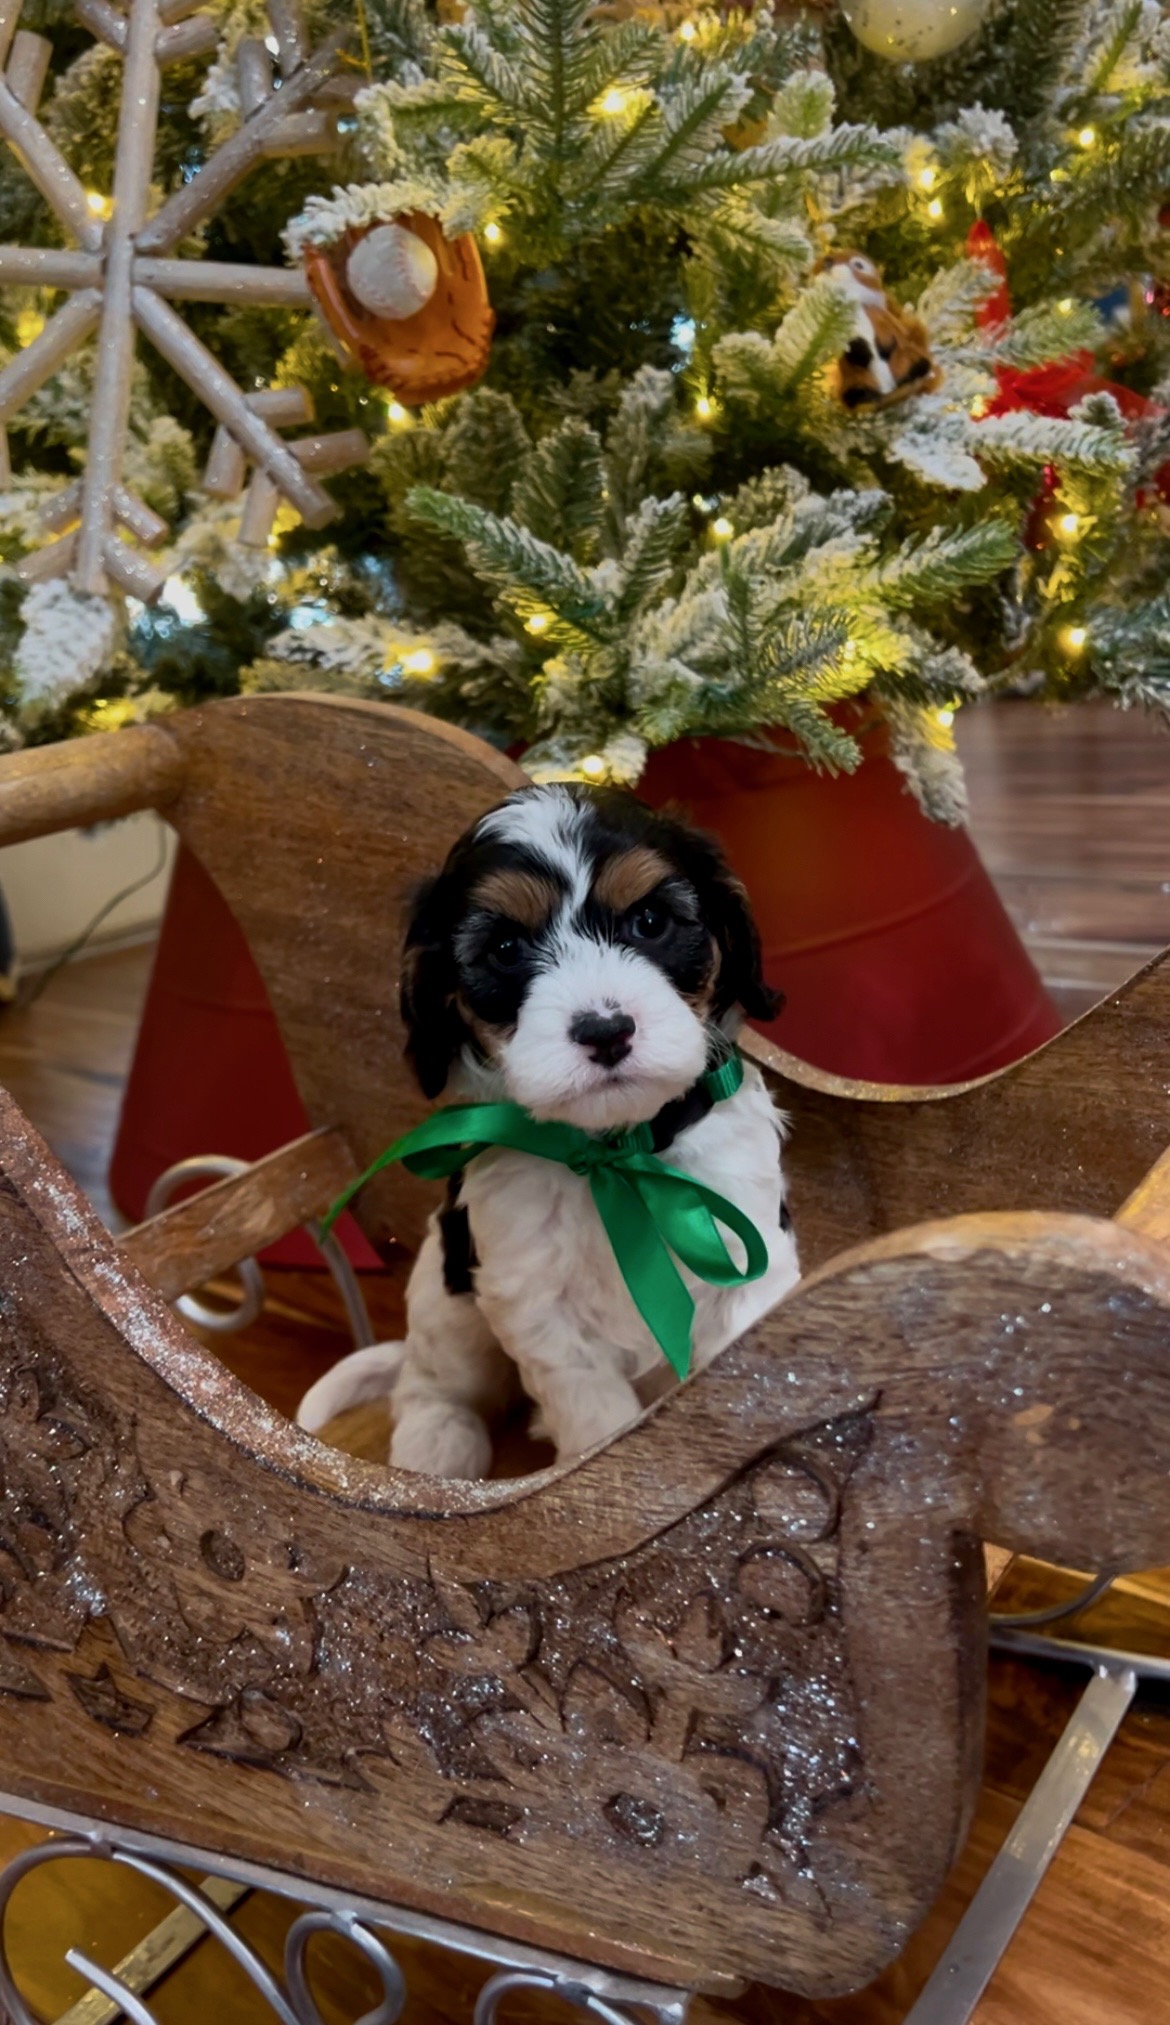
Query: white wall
<point x="55" y="885"/>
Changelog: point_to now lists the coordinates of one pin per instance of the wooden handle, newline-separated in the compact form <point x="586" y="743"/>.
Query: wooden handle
<point x="191" y="1242"/>
<point x="87" y="780"/>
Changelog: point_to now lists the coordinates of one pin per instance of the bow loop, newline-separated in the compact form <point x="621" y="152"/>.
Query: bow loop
<point x="648" y="1209"/>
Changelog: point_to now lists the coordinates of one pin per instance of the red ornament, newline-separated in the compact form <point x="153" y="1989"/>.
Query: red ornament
<point x="983" y="246"/>
<point x="1053" y="389"/>
<point x="1037" y="530"/>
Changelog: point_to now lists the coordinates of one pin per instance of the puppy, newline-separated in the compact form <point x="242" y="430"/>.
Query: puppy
<point x="589" y="959"/>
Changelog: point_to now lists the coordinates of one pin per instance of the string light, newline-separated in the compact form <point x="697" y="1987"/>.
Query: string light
<point x="1087" y="137"/>
<point x="421" y="662"/>
<point x="722" y="528"/>
<point x="704" y="408"/>
<point x="99" y="206"/>
<point x="934" y="209"/>
<point x="1065" y="305"/>
<point x="687" y="32"/>
<point x="927" y="178"/>
<point x="399" y="415"/>
<point x="614" y="102"/>
<point x="593" y="766"/>
<point x="944" y="717"/>
<point x="1074" y="638"/>
<point x="538" y="623"/>
<point x="492" y="232"/>
<point x="1069" y="524"/>
<point x="182" y="601"/>
<point x="979" y="407"/>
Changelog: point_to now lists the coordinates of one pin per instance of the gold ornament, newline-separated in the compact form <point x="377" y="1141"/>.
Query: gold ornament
<point x="912" y="31"/>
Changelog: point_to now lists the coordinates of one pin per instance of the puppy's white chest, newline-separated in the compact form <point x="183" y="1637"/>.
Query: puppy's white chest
<point x="548" y="1281"/>
<point x="546" y="1266"/>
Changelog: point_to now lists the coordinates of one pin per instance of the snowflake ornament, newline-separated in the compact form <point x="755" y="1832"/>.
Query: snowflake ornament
<point x="123" y="278"/>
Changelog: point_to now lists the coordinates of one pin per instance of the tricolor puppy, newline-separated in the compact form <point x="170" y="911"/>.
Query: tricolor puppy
<point x="588" y="959"/>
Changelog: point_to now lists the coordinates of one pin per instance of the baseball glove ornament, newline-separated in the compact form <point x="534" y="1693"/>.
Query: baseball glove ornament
<point x="406" y="304"/>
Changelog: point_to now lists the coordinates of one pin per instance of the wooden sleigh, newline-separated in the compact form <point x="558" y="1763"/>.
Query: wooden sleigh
<point x="703" y="1707"/>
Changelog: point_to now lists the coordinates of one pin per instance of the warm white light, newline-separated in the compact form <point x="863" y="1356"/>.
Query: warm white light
<point x="927" y="178"/>
<point x="593" y="766"/>
<point x="1087" y="136"/>
<point x="492" y="232"/>
<point x="704" y="408"/>
<point x="99" y="206"/>
<point x="1065" y="305"/>
<point x="944" y="717"/>
<point x="934" y="208"/>
<point x="182" y="601"/>
<point x="1069" y="523"/>
<point x="1075" y="637"/>
<point x="614" y="101"/>
<point x="397" y="413"/>
<point x="687" y="32"/>
<point x="538" y="623"/>
<point x="722" y="528"/>
<point x="979" y="407"/>
<point x="421" y="662"/>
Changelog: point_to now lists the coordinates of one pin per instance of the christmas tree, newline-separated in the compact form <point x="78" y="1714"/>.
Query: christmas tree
<point x="682" y="499"/>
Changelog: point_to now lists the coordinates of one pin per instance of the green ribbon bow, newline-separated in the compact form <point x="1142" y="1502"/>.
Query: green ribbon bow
<point x="648" y="1210"/>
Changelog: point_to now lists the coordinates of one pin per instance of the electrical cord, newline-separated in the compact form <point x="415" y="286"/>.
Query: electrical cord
<point x="44" y="978"/>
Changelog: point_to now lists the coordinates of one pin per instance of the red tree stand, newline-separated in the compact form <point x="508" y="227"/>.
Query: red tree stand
<point x="209" y="1074"/>
<point x="898" y="960"/>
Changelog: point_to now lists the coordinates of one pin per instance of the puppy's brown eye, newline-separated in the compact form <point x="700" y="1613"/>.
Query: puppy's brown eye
<point x="507" y="949"/>
<point x="648" y="923"/>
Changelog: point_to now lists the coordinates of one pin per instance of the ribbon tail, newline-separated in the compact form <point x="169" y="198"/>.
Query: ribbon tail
<point x="654" y="1282"/>
<point x="439" y="1146"/>
<point x="343" y="1201"/>
<point x="688" y="1215"/>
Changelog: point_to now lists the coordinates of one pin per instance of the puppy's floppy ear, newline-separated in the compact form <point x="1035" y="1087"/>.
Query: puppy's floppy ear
<point x="727" y="913"/>
<point x="435" y="1033"/>
<point x="741" y="975"/>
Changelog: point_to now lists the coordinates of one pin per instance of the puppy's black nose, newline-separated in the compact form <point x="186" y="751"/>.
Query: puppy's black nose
<point x="606" y="1035"/>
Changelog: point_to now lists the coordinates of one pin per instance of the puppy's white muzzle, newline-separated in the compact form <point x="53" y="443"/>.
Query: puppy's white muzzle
<point x="603" y="1039"/>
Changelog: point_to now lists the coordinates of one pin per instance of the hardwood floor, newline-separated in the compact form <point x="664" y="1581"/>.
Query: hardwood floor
<point x="1072" y="812"/>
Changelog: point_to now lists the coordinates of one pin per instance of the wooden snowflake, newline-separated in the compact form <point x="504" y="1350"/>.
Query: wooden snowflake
<point x="124" y="277"/>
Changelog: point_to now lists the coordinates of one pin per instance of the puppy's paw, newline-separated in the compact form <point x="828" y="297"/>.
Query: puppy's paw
<point x="590" y="1415"/>
<point x="442" y="1440"/>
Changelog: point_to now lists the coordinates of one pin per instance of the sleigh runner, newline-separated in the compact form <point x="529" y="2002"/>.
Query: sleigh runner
<point x="704" y="1706"/>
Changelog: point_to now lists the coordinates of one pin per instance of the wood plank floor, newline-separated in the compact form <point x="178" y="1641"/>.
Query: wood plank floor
<point x="1072" y="812"/>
